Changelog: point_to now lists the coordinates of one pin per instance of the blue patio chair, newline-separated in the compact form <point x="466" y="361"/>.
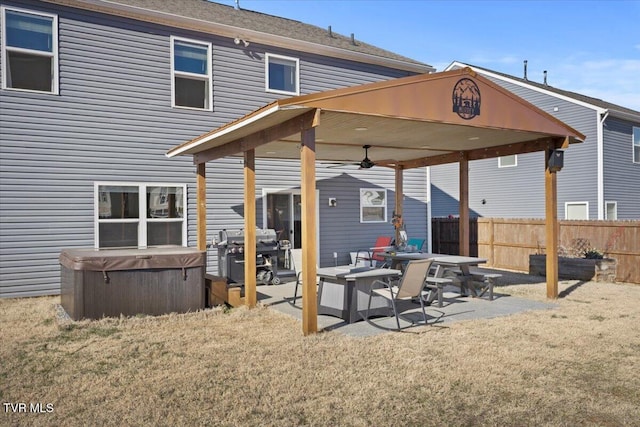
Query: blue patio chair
<point x="418" y="243"/>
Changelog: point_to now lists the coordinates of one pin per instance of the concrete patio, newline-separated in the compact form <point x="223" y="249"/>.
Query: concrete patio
<point x="455" y="308"/>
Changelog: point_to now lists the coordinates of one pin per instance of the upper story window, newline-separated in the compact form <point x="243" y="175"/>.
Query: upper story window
<point x="29" y="50"/>
<point x="131" y="215"/>
<point x="191" y="74"/>
<point x="282" y="74"/>
<point x="636" y="145"/>
<point x="507" y="161"/>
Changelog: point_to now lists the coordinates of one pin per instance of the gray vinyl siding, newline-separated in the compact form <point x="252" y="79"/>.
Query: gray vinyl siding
<point x="518" y="192"/>
<point x="113" y="121"/>
<point x="505" y="193"/>
<point x="340" y="227"/>
<point x="622" y="176"/>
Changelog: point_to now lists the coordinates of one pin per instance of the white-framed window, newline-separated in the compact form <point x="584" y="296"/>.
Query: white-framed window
<point x="29" y="50"/>
<point x="508" y="161"/>
<point x="373" y="205"/>
<point x="135" y="215"/>
<point x="611" y="210"/>
<point x="636" y="144"/>
<point x="191" y="75"/>
<point x="282" y="74"/>
<point x="576" y="210"/>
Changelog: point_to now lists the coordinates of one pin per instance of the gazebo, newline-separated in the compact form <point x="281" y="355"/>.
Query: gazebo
<point x="423" y="120"/>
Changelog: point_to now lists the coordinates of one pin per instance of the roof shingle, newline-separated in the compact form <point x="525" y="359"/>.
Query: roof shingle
<point x="204" y="10"/>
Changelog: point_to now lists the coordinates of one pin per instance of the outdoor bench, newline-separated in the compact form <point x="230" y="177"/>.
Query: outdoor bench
<point x="436" y="284"/>
<point x="479" y="281"/>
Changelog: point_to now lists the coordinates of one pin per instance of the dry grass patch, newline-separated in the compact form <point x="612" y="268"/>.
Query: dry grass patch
<point x="574" y="365"/>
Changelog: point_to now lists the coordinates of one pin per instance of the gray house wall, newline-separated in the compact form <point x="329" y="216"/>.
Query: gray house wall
<point x="517" y="192"/>
<point x="621" y="175"/>
<point x="113" y="121"/>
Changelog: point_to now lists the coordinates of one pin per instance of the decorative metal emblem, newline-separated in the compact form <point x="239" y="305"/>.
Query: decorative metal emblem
<point x="466" y="99"/>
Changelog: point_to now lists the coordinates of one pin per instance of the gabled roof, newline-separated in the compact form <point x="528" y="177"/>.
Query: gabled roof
<point x="255" y="27"/>
<point x="412" y="121"/>
<point x="573" y="95"/>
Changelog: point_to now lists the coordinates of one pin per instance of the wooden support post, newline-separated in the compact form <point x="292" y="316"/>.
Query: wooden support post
<point x="399" y="198"/>
<point x="309" y="243"/>
<point x="551" y="227"/>
<point x="463" y="227"/>
<point x="201" y="206"/>
<point x="250" y="292"/>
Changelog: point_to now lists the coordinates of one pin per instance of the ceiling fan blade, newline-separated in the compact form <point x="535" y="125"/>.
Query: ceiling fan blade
<point x="340" y="164"/>
<point x="365" y="163"/>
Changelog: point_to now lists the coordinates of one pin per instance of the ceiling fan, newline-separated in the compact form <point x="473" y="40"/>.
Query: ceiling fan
<point x="365" y="163"/>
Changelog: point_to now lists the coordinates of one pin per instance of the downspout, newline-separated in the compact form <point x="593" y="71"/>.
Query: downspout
<point x="429" y="228"/>
<point x="603" y="114"/>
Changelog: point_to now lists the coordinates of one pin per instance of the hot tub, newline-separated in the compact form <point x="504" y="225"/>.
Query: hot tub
<point x="105" y="283"/>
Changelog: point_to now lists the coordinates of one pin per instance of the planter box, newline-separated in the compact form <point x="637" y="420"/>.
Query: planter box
<point x="596" y="270"/>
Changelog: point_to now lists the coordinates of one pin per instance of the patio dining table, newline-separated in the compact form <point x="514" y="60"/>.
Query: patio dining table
<point x="344" y="291"/>
<point x="454" y="266"/>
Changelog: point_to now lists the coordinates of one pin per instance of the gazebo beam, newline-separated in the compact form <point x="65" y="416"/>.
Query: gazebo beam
<point x="484" y="153"/>
<point x="255" y="140"/>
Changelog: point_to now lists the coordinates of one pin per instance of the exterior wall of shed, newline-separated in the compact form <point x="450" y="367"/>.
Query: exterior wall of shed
<point x="518" y="192"/>
<point x="621" y="175"/>
<point x="113" y="121"/>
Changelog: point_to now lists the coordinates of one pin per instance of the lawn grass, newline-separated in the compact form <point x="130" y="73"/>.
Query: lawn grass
<point x="575" y="365"/>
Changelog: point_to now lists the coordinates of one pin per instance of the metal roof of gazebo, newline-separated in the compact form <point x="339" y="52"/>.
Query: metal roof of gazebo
<point x="422" y="120"/>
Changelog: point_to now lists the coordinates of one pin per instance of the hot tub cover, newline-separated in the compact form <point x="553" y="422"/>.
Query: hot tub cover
<point x="131" y="259"/>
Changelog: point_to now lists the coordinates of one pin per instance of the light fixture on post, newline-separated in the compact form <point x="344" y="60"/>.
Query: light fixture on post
<point x="556" y="160"/>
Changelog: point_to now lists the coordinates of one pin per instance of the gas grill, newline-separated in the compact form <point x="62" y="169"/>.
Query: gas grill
<point x="231" y="256"/>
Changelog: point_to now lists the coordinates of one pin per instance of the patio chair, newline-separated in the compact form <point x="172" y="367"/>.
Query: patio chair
<point x="295" y="257"/>
<point x="418" y="243"/>
<point x="375" y="253"/>
<point x="410" y="286"/>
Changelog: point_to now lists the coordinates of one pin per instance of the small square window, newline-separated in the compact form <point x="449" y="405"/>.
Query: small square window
<point x="29" y="51"/>
<point x="508" y="161"/>
<point x="576" y="210"/>
<point x="282" y="74"/>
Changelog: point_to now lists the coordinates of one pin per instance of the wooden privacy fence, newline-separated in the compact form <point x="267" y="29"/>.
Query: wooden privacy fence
<point x="444" y="236"/>
<point x="507" y="243"/>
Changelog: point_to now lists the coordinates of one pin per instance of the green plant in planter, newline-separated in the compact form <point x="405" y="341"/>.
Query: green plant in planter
<point x="593" y="253"/>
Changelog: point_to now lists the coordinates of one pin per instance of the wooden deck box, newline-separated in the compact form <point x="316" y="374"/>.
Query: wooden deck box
<point x="106" y="283"/>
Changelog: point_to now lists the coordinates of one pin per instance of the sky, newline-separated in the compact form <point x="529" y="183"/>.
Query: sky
<point x="588" y="47"/>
